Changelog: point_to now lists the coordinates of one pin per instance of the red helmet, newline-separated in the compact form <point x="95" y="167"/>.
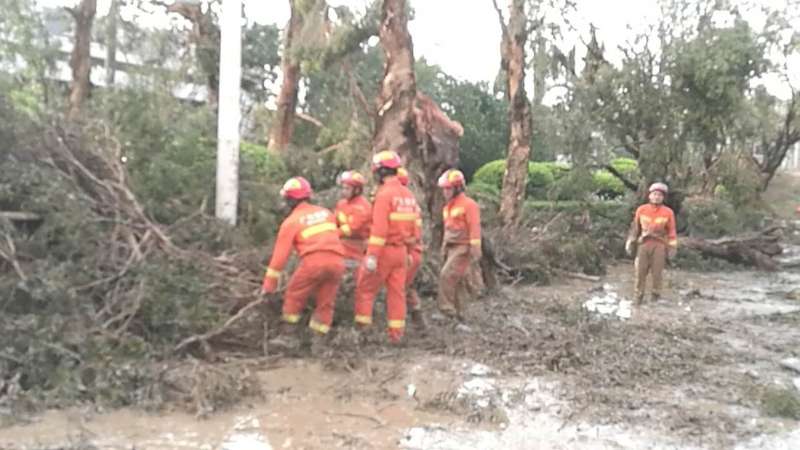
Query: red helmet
<point x="387" y="159"/>
<point x="661" y="187"/>
<point x="296" y="188"/>
<point x="402" y="175"/>
<point x="351" y="178"/>
<point x="451" y="178"/>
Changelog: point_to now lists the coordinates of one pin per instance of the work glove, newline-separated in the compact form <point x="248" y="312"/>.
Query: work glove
<point x="671" y="253"/>
<point x="475" y="253"/>
<point x="371" y="263"/>
<point x="269" y="285"/>
<point x="629" y="247"/>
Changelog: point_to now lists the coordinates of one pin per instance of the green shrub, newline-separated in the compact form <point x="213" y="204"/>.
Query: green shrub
<point x="738" y="183"/>
<point x="491" y="173"/>
<point x="606" y="185"/>
<point x="715" y="217"/>
<point x="541" y="176"/>
<point x="484" y="191"/>
<point x="540" y="180"/>
<point x="781" y="402"/>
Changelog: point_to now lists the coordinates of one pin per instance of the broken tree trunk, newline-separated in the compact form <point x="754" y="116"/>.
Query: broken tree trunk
<point x="752" y="249"/>
<point x="394" y="121"/>
<point x="283" y="122"/>
<point x="80" y="60"/>
<point x="438" y="149"/>
<point x="515" y="36"/>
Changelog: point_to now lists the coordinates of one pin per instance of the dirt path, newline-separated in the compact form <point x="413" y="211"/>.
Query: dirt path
<point x="533" y="369"/>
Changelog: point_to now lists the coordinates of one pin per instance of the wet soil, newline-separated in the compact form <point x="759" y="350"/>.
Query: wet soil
<point x="531" y="368"/>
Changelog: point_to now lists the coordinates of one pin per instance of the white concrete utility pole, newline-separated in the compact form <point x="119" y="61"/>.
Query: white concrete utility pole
<point x="229" y="114"/>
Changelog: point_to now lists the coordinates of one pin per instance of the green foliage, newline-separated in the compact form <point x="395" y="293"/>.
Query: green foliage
<point x="550" y="180"/>
<point x="482" y="115"/>
<point x="260" y="59"/>
<point x="540" y="179"/>
<point x="540" y="176"/>
<point x="781" y="402"/>
<point x="715" y="217"/>
<point x="606" y="185"/>
<point x="739" y="183"/>
<point x="491" y="173"/>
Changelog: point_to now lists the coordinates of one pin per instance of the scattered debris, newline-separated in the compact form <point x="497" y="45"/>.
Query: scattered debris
<point x="608" y="303"/>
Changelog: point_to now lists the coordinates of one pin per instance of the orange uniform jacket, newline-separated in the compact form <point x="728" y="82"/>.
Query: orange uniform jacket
<point x="654" y="222"/>
<point x="308" y="229"/>
<point x="353" y="217"/>
<point x="462" y="221"/>
<point x="394" y="217"/>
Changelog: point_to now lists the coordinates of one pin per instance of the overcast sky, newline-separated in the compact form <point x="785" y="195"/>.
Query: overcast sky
<point x="463" y="36"/>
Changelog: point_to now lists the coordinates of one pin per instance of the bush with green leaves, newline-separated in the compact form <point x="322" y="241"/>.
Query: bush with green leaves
<point x="541" y="176"/>
<point x="608" y="186"/>
<point x="716" y="217"/>
<point x="739" y="182"/>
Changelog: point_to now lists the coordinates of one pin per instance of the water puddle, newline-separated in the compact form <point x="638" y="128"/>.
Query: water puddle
<point x="538" y="419"/>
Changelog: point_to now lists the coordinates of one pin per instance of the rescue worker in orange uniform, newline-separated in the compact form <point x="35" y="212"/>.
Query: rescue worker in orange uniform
<point x="353" y="215"/>
<point x="461" y="244"/>
<point x="394" y="217"/>
<point x="311" y="231"/>
<point x="415" y="249"/>
<point x="653" y="230"/>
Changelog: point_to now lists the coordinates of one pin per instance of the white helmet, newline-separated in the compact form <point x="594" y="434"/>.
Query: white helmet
<point x="658" y="187"/>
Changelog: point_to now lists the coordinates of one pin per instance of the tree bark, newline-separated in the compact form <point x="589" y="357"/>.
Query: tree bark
<point x="283" y="122"/>
<point x="752" y="249"/>
<point x="515" y="35"/>
<point x="775" y="151"/>
<point x="394" y="122"/>
<point x="206" y="36"/>
<point x="80" y="60"/>
<point x="438" y="150"/>
<point x="111" y="43"/>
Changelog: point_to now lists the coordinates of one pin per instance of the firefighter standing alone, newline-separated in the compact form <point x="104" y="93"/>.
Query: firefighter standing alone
<point x="654" y="234"/>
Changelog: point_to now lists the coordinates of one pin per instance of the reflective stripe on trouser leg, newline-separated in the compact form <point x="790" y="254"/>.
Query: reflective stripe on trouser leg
<point x="367" y="286"/>
<point x="396" y="291"/>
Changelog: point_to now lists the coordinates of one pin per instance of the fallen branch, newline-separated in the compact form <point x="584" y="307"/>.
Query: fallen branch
<point x="11" y="257"/>
<point x="579" y="276"/>
<point x="358" y="416"/>
<point x="753" y="249"/>
<point x="20" y="216"/>
<point x="205" y="337"/>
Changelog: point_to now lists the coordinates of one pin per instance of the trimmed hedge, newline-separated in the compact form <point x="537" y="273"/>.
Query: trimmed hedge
<point x="547" y="179"/>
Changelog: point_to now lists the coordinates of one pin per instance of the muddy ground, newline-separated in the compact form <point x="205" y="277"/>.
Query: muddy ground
<point x="531" y="369"/>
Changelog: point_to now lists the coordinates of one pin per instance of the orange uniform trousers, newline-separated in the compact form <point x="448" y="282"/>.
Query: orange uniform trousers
<point x="454" y="279"/>
<point x="415" y="257"/>
<point x="318" y="273"/>
<point x="651" y="258"/>
<point x="391" y="272"/>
